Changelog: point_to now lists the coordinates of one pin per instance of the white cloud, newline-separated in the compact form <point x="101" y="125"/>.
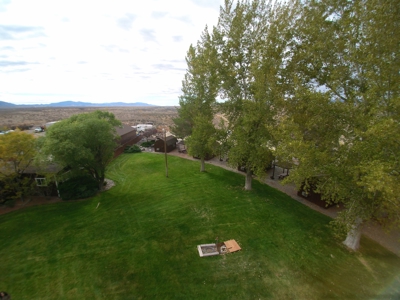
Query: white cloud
<point x="126" y="21"/>
<point x="98" y="51"/>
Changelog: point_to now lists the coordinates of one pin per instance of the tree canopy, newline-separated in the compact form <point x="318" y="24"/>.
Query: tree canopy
<point x="250" y="46"/>
<point x="17" y="152"/>
<point x="200" y="87"/>
<point x="317" y="84"/>
<point x="83" y="141"/>
<point x="341" y="116"/>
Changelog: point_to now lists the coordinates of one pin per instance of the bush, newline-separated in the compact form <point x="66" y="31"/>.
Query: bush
<point x="10" y="203"/>
<point x="5" y="193"/>
<point x="132" y="149"/>
<point x="78" y="187"/>
<point x="147" y="144"/>
<point x="22" y="127"/>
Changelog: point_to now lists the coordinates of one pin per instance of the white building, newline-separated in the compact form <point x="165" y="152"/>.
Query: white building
<point x="144" y="127"/>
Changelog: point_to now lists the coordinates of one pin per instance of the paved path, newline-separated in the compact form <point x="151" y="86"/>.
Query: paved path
<point x="389" y="240"/>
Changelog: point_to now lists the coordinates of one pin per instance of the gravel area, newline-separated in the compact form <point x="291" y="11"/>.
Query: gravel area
<point x="109" y="184"/>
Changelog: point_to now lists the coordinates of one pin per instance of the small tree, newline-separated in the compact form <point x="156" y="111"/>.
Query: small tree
<point x="222" y="136"/>
<point x="196" y="112"/>
<point x="17" y="152"/>
<point x="84" y="141"/>
<point x="201" y="142"/>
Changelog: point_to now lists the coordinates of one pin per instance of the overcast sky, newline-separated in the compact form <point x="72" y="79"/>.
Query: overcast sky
<point x="98" y="50"/>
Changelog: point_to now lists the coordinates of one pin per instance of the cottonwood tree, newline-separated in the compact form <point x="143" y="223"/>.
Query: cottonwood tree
<point x="17" y="152"/>
<point x="199" y="88"/>
<point x="84" y="141"/>
<point x="202" y="142"/>
<point x="222" y="133"/>
<point x="188" y="100"/>
<point x="250" y="66"/>
<point x="342" y="115"/>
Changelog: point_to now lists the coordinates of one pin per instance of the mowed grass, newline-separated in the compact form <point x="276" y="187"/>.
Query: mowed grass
<point x="141" y="241"/>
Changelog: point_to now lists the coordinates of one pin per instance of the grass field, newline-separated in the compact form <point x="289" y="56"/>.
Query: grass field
<point x="140" y="242"/>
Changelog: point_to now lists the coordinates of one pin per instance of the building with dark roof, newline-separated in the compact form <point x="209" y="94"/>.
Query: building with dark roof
<point x="170" y="142"/>
<point x="127" y="137"/>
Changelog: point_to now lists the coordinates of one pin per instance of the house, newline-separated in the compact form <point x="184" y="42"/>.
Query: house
<point x="147" y="133"/>
<point x="170" y="142"/>
<point x="126" y="133"/>
<point x="46" y="178"/>
<point x="127" y="137"/>
<point x="46" y="188"/>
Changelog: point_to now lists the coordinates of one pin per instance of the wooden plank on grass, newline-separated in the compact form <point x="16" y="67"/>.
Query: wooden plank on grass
<point x="232" y="246"/>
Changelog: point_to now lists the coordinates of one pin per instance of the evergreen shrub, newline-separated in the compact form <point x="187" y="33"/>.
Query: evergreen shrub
<point x="82" y="186"/>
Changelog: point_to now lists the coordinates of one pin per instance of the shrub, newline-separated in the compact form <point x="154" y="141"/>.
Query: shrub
<point x="82" y="186"/>
<point x="10" y="203"/>
<point x="22" y="127"/>
<point x="132" y="149"/>
<point x="5" y="193"/>
<point x="147" y="144"/>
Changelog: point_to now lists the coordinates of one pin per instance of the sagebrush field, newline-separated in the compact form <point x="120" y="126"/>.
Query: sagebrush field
<point x="159" y="115"/>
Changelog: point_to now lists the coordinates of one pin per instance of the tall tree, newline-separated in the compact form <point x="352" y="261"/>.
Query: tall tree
<point x="83" y="141"/>
<point x="199" y="89"/>
<point x="250" y="67"/>
<point x="17" y="152"/>
<point x="188" y="100"/>
<point x="202" y="142"/>
<point x="342" y="110"/>
<point x="222" y="138"/>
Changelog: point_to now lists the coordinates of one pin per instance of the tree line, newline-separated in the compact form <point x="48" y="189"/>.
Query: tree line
<point x="314" y="84"/>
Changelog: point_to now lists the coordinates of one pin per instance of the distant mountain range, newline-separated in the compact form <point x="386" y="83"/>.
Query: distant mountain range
<point x="73" y="104"/>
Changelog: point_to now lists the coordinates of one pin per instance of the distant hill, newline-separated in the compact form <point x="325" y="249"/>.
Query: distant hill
<point x="73" y="104"/>
<point x="6" y="104"/>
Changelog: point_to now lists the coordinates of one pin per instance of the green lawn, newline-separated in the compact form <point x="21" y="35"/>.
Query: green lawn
<point x="140" y="243"/>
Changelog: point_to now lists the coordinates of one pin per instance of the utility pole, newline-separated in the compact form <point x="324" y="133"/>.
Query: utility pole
<point x="165" y="152"/>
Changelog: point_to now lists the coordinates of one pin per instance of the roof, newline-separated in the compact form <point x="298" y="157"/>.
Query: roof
<point x="32" y="169"/>
<point x="169" y="140"/>
<point x="124" y="129"/>
<point x="50" y="168"/>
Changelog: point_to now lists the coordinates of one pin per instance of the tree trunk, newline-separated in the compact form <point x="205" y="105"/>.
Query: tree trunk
<point x="249" y="179"/>
<point x="101" y="182"/>
<point x="353" y="236"/>
<point x="202" y="165"/>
